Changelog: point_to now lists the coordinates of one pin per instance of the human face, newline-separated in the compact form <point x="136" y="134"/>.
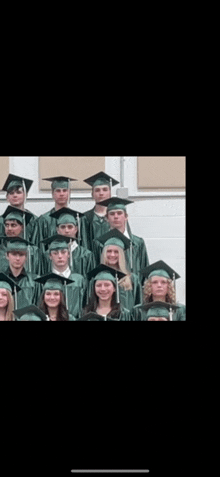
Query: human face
<point x="52" y="298"/>
<point x="159" y="288"/>
<point x="112" y="255"/>
<point x="60" y="258"/>
<point x="61" y="197"/>
<point x="117" y="219"/>
<point x="16" y="259"/>
<point x="16" y="197"/>
<point x="100" y="193"/>
<point x="13" y="228"/>
<point x="3" y="298"/>
<point x="69" y="230"/>
<point x="104" y="289"/>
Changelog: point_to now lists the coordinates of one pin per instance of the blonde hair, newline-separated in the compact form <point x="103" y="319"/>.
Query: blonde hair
<point x="9" y="316"/>
<point x="125" y="282"/>
<point x="147" y="292"/>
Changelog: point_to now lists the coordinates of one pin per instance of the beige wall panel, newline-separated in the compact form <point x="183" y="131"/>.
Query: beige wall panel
<point x="161" y="172"/>
<point x="78" y="167"/>
<point x="4" y="168"/>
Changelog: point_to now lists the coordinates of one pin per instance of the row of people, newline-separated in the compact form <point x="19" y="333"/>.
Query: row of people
<point x="62" y="254"/>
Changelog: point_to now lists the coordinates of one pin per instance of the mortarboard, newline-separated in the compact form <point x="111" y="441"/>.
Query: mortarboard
<point x="9" y="284"/>
<point x="17" y="181"/>
<point x="103" y="272"/>
<point x="101" y="178"/>
<point x="30" y="313"/>
<point x="159" y="309"/>
<point x="68" y="216"/>
<point x="14" y="244"/>
<point x="13" y="213"/>
<point x="160" y="269"/>
<point x="91" y="316"/>
<point x="115" y="203"/>
<point x="60" y="182"/>
<point x="57" y="242"/>
<point x="52" y="281"/>
<point x="115" y="237"/>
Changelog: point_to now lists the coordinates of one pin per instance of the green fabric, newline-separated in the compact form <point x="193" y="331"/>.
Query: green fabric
<point x="16" y="246"/>
<point x="30" y="317"/>
<point x="58" y="245"/>
<point x="159" y="273"/>
<point x="92" y="227"/>
<point x="36" y="259"/>
<point x="157" y="312"/>
<point x="15" y="216"/>
<point x="60" y="185"/>
<point x="5" y="286"/>
<point x="101" y="181"/>
<point x="53" y="284"/>
<point x="105" y="276"/>
<point x="115" y="241"/>
<point x="139" y="314"/>
<point x="67" y="219"/>
<point x="83" y="261"/>
<point x="30" y="290"/>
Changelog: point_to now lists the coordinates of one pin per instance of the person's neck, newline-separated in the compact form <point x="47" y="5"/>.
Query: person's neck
<point x="61" y="269"/>
<point x="100" y="209"/>
<point x="15" y="271"/>
<point x="104" y="305"/>
<point x="159" y="298"/>
<point x="53" y="313"/>
<point x="58" y="207"/>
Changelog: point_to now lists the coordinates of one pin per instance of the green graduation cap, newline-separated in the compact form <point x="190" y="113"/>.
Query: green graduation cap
<point x="103" y="272"/>
<point x="67" y="216"/>
<point x="30" y="313"/>
<point x="101" y="178"/>
<point x="115" y="237"/>
<point x="57" y="242"/>
<point x="160" y="269"/>
<point x="91" y="316"/>
<point x="51" y="281"/>
<point x="60" y="182"/>
<point x="116" y="203"/>
<point x="159" y="309"/>
<point x="16" y="244"/>
<point x="17" y="181"/>
<point x="9" y="284"/>
<point x="13" y="213"/>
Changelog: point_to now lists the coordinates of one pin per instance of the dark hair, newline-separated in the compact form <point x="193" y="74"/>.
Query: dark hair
<point x="93" y="304"/>
<point x="63" y="314"/>
<point x="14" y="189"/>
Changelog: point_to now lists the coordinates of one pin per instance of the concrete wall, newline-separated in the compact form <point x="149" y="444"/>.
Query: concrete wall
<point x="157" y="215"/>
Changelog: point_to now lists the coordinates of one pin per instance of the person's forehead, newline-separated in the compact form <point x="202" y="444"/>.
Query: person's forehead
<point x="158" y="277"/>
<point x="15" y="189"/>
<point x="116" y="211"/>
<point x="112" y="247"/>
<point x="104" y="282"/>
<point x="60" y="189"/>
<point x="12" y="221"/>
<point x="67" y="225"/>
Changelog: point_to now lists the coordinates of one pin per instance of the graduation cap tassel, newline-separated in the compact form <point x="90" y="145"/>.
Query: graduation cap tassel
<point x="111" y="186"/>
<point x="171" y="314"/>
<point x="117" y="289"/>
<point x="25" y="191"/>
<point x="69" y="187"/>
<point x="67" y="307"/>
<point x="79" y="227"/>
<point x="29" y="259"/>
<point x="16" y="298"/>
<point x="71" y="257"/>
<point x="131" y="256"/>
<point x="24" y="226"/>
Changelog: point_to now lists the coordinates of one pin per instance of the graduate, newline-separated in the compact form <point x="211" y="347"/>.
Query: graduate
<point x="17" y="189"/>
<point x="17" y="256"/>
<point x="61" y="191"/>
<point x="94" y="221"/>
<point x="68" y="224"/>
<point x="15" y="225"/>
<point x="160" y="287"/>
<point x="117" y="217"/>
<point x="104" y="299"/>
<point x="59" y="256"/>
<point x="30" y="313"/>
<point x="114" y="244"/>
<point x="54" y="298"/>
<point x="7" y="288"/>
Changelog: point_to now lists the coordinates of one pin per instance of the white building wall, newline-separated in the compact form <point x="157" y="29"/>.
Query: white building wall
<point x="158" y="217"/>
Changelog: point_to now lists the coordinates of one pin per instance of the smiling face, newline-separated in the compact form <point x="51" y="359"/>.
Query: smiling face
<point x="52" y="298"/>
<point x="112" y="255"/>
<point x="104" y="289"/>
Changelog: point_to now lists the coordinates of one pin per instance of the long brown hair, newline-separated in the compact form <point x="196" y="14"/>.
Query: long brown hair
<point x="62" y="314"/>
<point x="9" y="316"/>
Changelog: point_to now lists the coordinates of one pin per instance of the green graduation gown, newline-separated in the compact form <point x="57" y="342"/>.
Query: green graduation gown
<point x="30" y="290"/>
<point x="76" y="294"/>
<point x="83" y="261"/>
<point x="92" y="226"/>
<point x="125" y="315"/>
<point x="36" y="259"/>
<point x="141" y="315"/>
